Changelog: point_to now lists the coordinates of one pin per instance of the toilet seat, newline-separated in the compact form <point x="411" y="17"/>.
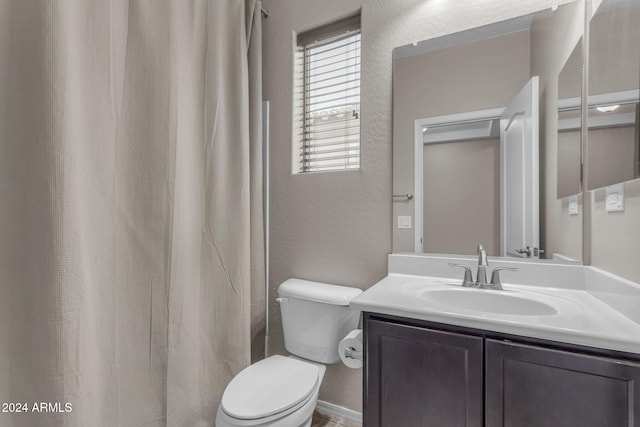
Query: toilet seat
<point x="270" y="388"/>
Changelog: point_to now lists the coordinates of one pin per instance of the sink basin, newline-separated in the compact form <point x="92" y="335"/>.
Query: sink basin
<point x="488" y="301"/>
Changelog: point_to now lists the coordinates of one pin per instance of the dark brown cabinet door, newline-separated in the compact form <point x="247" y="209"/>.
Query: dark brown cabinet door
<point x="420" y="377"/>
<point x="529" y="386"/>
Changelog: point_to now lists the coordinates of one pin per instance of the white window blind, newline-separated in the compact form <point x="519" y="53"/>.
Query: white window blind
<point x="327" y="104"/>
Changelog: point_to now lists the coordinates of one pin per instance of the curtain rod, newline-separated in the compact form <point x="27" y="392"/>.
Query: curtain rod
<point x="265" y="12"/>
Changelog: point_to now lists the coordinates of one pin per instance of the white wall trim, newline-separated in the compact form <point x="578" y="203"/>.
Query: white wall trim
<point x="418" y="146"/>
<point x="327" y="408"/>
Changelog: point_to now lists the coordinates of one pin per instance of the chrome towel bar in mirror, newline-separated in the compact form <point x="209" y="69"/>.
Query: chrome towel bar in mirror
<point x="407" y="196"/>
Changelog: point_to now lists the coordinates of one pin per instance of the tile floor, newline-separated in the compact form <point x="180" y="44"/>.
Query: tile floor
<point x="321" y="420"/>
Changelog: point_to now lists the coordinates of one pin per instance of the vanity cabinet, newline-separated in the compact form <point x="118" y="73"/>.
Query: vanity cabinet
<point x="421" y="377"/>
<point x="533" y="386"/>
<point x="423" y="374"/>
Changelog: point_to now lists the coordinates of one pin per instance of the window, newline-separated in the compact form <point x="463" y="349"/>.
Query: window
<point x="327" y="98"/>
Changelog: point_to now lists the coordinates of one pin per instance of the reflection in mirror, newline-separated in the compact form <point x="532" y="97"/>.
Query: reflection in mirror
<point x="569" y="126"/>
<point x="613" y="148"/>
<point x="613" y="143"/>
<point x="614" y="79"/>
<point x="496" y="166"/>
<point x="465" y="107"/>
<point x="473" y="148"/>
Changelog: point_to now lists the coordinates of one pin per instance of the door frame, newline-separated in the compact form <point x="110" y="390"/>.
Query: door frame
<point x="418" y="166"/>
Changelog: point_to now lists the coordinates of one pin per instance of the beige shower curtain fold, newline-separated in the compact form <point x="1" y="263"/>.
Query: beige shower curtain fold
<point x="258" y="291"/>
<point x="131" y="251"/>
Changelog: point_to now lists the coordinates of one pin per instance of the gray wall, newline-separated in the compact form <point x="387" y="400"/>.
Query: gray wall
<point x="611" y="155"/>
<point x="614" y="235"/>
<point x="461" y="174"/>
<point x="336" y="227"/>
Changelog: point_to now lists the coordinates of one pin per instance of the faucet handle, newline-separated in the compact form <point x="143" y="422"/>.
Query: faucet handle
<point x="495" y="276"/>
<point x="467" y="282"/>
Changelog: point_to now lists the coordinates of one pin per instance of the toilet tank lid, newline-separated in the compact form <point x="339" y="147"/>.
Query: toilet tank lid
<point x="318" y="292"/>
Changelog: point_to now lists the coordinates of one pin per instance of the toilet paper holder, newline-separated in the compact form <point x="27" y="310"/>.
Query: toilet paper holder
<point x="352" y="353"/>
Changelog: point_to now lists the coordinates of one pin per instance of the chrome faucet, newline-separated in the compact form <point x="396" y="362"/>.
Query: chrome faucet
<point x="467" y="282"/>
<point x="481" y="275"/>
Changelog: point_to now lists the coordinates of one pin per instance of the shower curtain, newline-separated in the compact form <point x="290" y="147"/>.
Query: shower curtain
<point x="131" y="272"/>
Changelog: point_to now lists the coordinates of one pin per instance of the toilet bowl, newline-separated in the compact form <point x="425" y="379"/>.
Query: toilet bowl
<point x="276" y="392"/>
<point x="282" y="391"/>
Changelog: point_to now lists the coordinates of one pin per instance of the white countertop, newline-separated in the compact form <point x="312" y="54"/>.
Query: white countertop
<point x="581" y="317"/>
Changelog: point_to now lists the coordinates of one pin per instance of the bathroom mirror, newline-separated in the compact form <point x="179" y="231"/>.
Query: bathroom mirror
<point x="457" y="99"/>
<point x="613" y="148"/>
<point x="569" y="128"/>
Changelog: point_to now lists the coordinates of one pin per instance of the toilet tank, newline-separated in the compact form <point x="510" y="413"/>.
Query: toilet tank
<point x="315" y="318"/>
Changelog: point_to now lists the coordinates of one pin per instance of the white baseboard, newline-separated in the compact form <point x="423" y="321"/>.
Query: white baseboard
<point x="326" y="408"/>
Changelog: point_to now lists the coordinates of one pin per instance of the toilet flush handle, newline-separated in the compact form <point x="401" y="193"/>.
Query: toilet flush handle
<point x="282" y="300"/>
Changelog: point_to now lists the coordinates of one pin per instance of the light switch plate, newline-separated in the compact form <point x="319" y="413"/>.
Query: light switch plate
<point x="404" y="221"/>
<point x="614" y="198"/>
<point x="573" y="205"/>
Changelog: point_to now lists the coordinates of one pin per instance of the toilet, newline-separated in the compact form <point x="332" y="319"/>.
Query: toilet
<point x="282" y="391"/>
